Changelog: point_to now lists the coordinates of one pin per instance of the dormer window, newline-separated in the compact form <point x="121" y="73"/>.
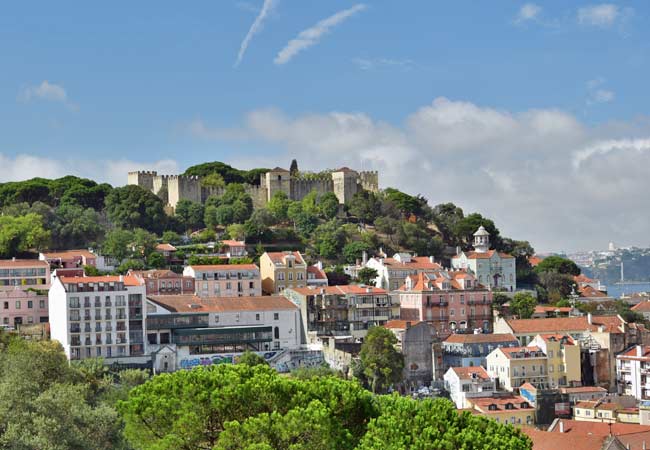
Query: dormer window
<point x="492" y="407"/>
<point x="510" y="406"/>
<point x="524" y="405"/>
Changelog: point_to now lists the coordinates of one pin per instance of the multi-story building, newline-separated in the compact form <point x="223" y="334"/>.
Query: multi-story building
<point x="493" y="269"/>
<point x="393" y="272"/>
<point x="225" y="280"/>
<point x="508" y="409"/>
<point x="514" y="366"/>
<point x="18" y="274"/>
<point x="22" y="307"/>
<point x="466" y="350"/>
<point x="596" y="411"/>
<point x="562" y="359"/>
<point x="341" y="310"/>
<point x="282" y="270"/>
<point x="23" y="283"/>
<point x="463" y="383"/>
<point x="581" y="393"/>
<point x="449" y="300"/>
<point x="69" y="259"/>
<point x="415" y="341"/>
<point x="633" y="372"/>
<point x="184" y="331"/>
<point x="233" y="249"/>
<point x="164" y="282"/>
<point x="98" y="316"/>
<point x="316" y="275"/>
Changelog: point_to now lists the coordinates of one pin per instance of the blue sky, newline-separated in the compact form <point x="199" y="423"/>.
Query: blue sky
<point x="98" y="89"/>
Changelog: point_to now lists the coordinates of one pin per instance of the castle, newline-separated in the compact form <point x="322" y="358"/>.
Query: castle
<point x="344" y="183"/>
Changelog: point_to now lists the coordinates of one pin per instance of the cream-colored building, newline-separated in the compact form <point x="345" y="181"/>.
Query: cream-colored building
<point x="514" y="366"/>
<point x="597" y="411"/>
<point x="510" y="409"/>
<point x="225" y="280"/>
<point x="562" y="358"/>
<point x="281" y="270"/>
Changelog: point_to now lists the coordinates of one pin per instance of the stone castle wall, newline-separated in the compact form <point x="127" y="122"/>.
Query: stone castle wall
<point x="299" y="188"/>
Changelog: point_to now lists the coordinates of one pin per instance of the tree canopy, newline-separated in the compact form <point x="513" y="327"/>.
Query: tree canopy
<point x="381" y="363"/>
<point x="133" y="207"/>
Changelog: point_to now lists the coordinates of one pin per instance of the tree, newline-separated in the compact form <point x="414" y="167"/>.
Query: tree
<point x="309" y="203"/>
<point x="278" y="205"/>
<point x="171" y="237"/>
<point x="354" y="251"/>
<point x="328" y="205"/>
<point x="465" y="228"/>
<point x="214" y="180"/>
<point x="132" y="207"/>
<point x="446" y="216"/>
<point x="156" y="260"/>
<point x="559" y="265"/>
<point x="556" y="285"/>
<point x="523" y="305"/>
<point x="367" y="275"/>
<point x="19" y="234"/>
<point x="190" y="214"/>
<point x="130" y="264"/>
<point x="293" y="168"/>
<point x="224" y="214"/>
<point x="75" y="226"/>
<point x="329" y="239"/>
<point x="407" y="204"/>
<point x="417" y="238"/>
<point x="144" y="243"/>
<point x="236" y="231"/>
<point x="381" y="363"/>
<point x="118" y="244"/>
<point x="251" y="359"/>
<point x="365" y="205"/>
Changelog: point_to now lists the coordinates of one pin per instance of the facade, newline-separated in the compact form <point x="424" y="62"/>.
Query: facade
<point x="415" y="341"/>
<point x="642" y="308"/>
<point x="233" y="249"/>
<point x="341" y="311"/>
<point x="282" y="270"/>
<point x="18" y="274"/>
<point x="344" y="183"/>
<point x="512" y="367"/>
<point x="509" y="409"/>
<point x="187" y="330"/>
<point x="23" y="283"/>
<point x="164" y="282"/>
<point x="69" y="259"/>
<point x="393" y="272"/>
<point x="464" y="383"/>
<point x="633" y="372"/>
<point x="22" y="308"/>
<point x="596" y="411"/>
<point x="583" y="393"/>
<point x="449" y="300"/>
<point x="493" y="269"/>
<point x="316" y="275"/>
<point x="467" y="350"/>
<point x="98" y="316"/>
<point x="225" y="280"/>
<point x="562" y="359"/>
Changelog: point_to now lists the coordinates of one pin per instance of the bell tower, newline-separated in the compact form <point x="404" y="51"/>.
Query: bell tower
<point x="481" y="240"/>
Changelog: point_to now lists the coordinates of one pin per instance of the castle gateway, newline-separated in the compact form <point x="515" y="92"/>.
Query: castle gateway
<point x="344" y="183"/>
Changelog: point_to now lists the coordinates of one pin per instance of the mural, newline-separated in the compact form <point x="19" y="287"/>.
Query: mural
<point x="188" y="363"/>
<point x="293" y="360"/>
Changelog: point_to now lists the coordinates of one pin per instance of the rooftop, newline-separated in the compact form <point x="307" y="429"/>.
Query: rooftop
<point x="279" y="257"/>
<point x="234" y="267"/>
<point x="193" y="303"/>
<point x="469" y="373"/>
<point x="582" y="390"/>
<point x="319" y="274"/>
<point x="340" y="290"/>
<point x="127" y="280"/>
<point x="565" y="324"/>
<point x="582" y="429"/>
<point x="545" y="440"/>
<point x="481" y="338"/>
<point x="508" y="352"/>
<point x="233" y="243"/>
<point x="398" y="324"/>
<point x="641" y="307"/>
<point x="69" y="254"/>
<point x="485" y="255"/>
<point x="22" y="263"/>
<point x="165" y="248"/>
<point x="631" y="353"/>
<point x="415" y="262"/>
<point x="155" y="273"/>
<point x="484" y="403"/>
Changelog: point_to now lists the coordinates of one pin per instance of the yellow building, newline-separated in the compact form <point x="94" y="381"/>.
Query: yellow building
<point x="514" y="366"/>
<point x="562" y="358"/>
<point x="512" y="409"/>
<point x="596" y="412"/>
<point x="281" y="270"/>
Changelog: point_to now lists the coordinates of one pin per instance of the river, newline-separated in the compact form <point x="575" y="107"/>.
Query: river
<point x="616" y="290"/>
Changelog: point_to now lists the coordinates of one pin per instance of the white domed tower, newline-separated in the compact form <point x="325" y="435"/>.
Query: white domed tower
<point x="481" y="240"/>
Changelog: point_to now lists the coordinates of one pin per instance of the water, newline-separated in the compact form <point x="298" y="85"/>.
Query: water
<point x="616" y="290"/>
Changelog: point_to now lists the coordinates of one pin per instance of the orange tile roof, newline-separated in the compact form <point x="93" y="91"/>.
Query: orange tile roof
<point x="193" y="303"/>
<point x="534" y="260"/>
<point x="544" y="309"/>
<point x="416" y="263"/>
<point x="22" y="263"/>
<point x="69" y="254"/>
<point x="641" y="307"/>
<point x="484" y="255"/>
<point x="631" y="353"/>
<point x="480" y="338"/>
<point x="340" y="290"/>
<point x="597" y="404"/>
<point x="278" y="257"/>
<point x="590" y="292"/>
<point x="425" y="282"/>
<point x="233" y="243"/>
<point x="558" y="337"/>
<point x="564" y="324"/>
<point x="399" y="324"/>
<point x="583" y="279"/>
<point x="582" y="389"/>
<point x="165" y="248"/>
<point x="580" y="428"/>
<point x="465" y="373"/>
<point x="217" y="267"/>
<point x="318" y="273"/>
<point x="545" y="440"/>
<point x="127" y="280"/>
<point x="508" y="351"/>
<point x="484" y="402"/>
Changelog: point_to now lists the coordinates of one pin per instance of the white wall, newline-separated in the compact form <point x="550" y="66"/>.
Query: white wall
<point x="58" y="315"/>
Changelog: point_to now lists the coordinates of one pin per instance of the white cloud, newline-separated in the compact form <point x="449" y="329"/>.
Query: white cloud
<point x="378" y="63"/>
<point x="541" y="174"/>
<point x="311" y="36"/>
<point x="598" y="94"/>
<point x="23" y="167"/>
<point x="602" y="15"/>
<point x="529" y="11"/>
<point x="255" y="28"/>
<point x="48" y="92"/>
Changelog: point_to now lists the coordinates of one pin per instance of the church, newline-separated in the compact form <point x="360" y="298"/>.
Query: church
<point x="492" y="269"/>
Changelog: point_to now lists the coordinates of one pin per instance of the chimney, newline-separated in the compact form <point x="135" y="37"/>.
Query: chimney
<point x="319" y="264"/>
<point x="589" y="318"/>
<point x="639" y="351"/>
<point x="364" y="257"/>
<point x="561" y="427"/>
<point x="458" y="250"/>
<point x="13" y="258"/>
<point x="368" y="289"/>
<point x="121" y="278"/>
<point x="431" y="259"/>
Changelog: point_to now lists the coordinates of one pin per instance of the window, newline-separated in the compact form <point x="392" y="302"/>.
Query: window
<point x="251" y="285"/>
<point x="550" y="368"/>
<point x="550" y="353"/>
<point x="276" y="316"/>
<point x="17" y="304"/>
<point x="216" y="319"/>
<point x="451" y="313"/>
<point x="300" y="276"/>
<point x="5" y="320"/>
<point x="6" y="305"/>
<point x="462" y="311"/>
<point x="228" y="285"/>
<point x="257" y="317"/>
<point x="560" y="368"/>
<point x="41" y="304"/>
<point x="281" y="276"/>
<point x="290" y="276"/>
<point x="276" y="333"/>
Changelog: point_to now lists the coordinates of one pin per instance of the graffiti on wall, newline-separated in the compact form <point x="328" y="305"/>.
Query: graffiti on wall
<point x="188" y="363"/>
<point x="301" y="359"/>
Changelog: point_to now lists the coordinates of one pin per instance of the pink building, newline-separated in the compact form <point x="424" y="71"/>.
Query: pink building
<point x="21" y="299"/>
<point x="225" y="280"/>
<point x="164" y="282"/>
<point x="22" y="307"/>
<point x="70" y="258"/>
<point x="449" y="300"/>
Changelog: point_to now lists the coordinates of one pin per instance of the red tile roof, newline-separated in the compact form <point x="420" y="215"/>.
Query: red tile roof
<point x="558" y="337"/>
<point x="534" y="260"/>
<point x="165" y="248"/>
<point x="127" y="280"/>
<point x="69" y="254"/>
<point x="484" y="402"/>
<point x="233" y="243"/>
<point x="416" y="263"/>
<point x="590" y="292"/>
<point x="485" y="255"/>
<point x="598" y="405"/>
<point x="577" y="427"/>
<point x="318" y="273"/>
<point x="582" y="390"/>
<point x="467" y="373"/>
<point x="583" y="279"/>
<point x="278" y="257"/>
<point x="480" y="338"/>
<point x="641" y="307"/>
<point x="193" y="303"/>
<point x="544" y="440"/>
<point x="398" y="324"/>
<point x="631" y="353"/>
<point x="539" y="309"/>
<point x="22" y="263"/>
<point x="564" y="324"/>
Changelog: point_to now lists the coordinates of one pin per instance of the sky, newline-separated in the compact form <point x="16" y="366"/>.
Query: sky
<point x="533" y="114"/>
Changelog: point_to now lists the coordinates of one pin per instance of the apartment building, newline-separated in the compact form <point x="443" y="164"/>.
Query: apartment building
<point x="164" y="282"/>
<point x="563" y="364"/>
<point x="282" y="270"/>
<point x="341" y="310"/>
<point x="596" y="411"/>
<point x="633" y="372"/>
<point x="19" y="274"/>
<point x="507" y="409"/>
<point x="316" y="275"/>
<point x="514" y="366"/>
<point x="449" y="300"/>
<point x="465" y="349"/>
<point x="393" y="272"/>
<point x="184" y="331"/>
<point x="225" y="280"/>
<point x="69" y="259"/>
<point x="464" y="383"/>
<point x="98" y="316"/>
<point x="23" y="283"/>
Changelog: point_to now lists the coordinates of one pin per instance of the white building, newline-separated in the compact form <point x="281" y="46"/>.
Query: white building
<point x="493" y="269"/>
<point x="468" y="382"/>
<point x="184" y="331"/>
<point x="633" y="372"/>
<point x="98" y="316"/>
<point x="393" y="272"/>
<point x="226" y="280"/>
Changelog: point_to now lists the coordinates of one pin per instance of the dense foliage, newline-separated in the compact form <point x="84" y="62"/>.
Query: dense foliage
<point x="253" y="407"/>
<point x="228" y="173"/>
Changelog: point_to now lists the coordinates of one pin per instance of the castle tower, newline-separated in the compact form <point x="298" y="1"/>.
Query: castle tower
<point x="144" y="179"/>
<point x="481" y="240"/>
<point x="345" y="184"/>
<point x="277" y="179"/>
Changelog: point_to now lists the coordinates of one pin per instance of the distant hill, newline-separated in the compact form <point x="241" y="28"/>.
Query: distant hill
<point x="607" y="267"/>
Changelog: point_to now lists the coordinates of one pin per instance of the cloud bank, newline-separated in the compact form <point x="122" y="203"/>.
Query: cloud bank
<point x="541" y="174"/>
